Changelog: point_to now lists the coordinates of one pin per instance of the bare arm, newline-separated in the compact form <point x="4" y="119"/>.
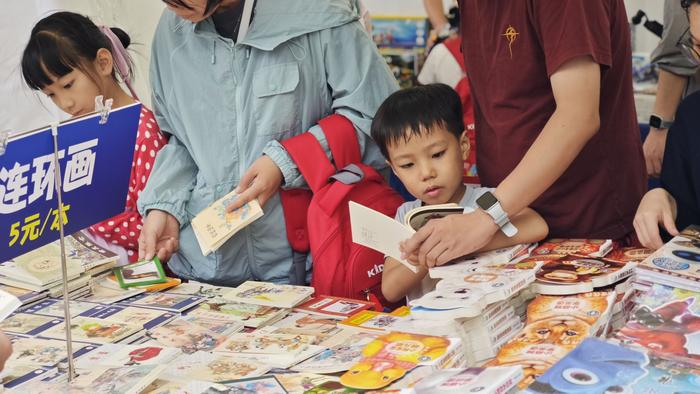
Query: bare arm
<point x="436" y="13"/>
<point x="397" y="280"/>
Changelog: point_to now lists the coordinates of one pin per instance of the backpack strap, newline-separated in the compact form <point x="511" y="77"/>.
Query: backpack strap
<point x="342" y="140"/>
<point x="310" y="158"/>
<point x="454" y="45"/>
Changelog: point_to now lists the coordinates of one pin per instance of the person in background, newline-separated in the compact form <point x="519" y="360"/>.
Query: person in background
<point x="72" y="60"/>
<point x="441" y="26"/>
<point x="676" y="204"/>
<point x="677" y="79"/>
<point x="555" y="121"/>
<point x="422" y="136"/>
<point x="227" y="91"/>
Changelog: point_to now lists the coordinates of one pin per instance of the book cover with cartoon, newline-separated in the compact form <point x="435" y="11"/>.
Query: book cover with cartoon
<point x="187" y="337"/>
<point x="338" y="358"/>
<point x="29" y="324"/>
<point x="334" y="307"/>
<point x="119" y="355"/>
<point x="42" y="352"/>
<point x="305" y="324"/>
<point x="250" y="315"/>
<point x="94" y="330"/>
<point x="266" y="343"/>
<point x="575" y="274"/>
<point x="556" y="247"/>
<point x="270" y="294"/>
<point x="213" y="367"/>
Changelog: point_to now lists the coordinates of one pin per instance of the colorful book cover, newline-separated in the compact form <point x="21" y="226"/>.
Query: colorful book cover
<point x="213" y="367"/>
<point x="41" y="266"/>
<point x="250" y="315"/>
<point x="186" y="336"/>
<point x="104" y="293"/>
<point x="37" y="352"/>
<point x="338" y="358"/>
<point x="28" y="324"/>
<point x="373" y="321"/>
<point x="677" y="263"/>
<point x="213" y="226"/>
<point x="630" y="254"/>
<point x="144" y="317"/>
<point x="267" y="384"/>
<point x="389" y="357"/>
<point x="203" y="290"/>
<point x="141" y="273"/>
<point x="270" y="294"/>
<point x="470" y="380"/>
<point x="54" y="307"/>
<point x="94" y="330"/>
<point x="91" y="255"/>
<point x="120" y="380"/>
<point x="302" y="323"/>
<point x="118" y="355"/>
<point x="301" y="382"/>
<point x="485" y="260"/>
<point x="334" y="307"/>
<point x="221" y="327"/>
<point x="163" y="301"/>
<point x="266" y="343"/>
<point x="577" y="274"/>
<point x="556" y="248"/>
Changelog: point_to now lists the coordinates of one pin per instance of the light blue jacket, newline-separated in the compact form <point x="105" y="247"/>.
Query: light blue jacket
<point x="226" y="104"/>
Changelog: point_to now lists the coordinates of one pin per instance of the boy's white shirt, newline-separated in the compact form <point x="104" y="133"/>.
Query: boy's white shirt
<point x="471" y="193"/>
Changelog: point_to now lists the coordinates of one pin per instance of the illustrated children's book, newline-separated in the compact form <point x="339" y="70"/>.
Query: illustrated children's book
<point x="267" y="384"/>
<point x="302" y="323"/>
<point x="221" y="327"/>
<point x="498" y="258"/>
<point x="275" y="350"/>
<point x="303" y="382"/>
<point x="118" y="355"/>
<point x="250" y="315"/>
<point x="214" y="226"/>
<point x="575" y="274"/>
<point x="629" y="254"/>
<point x="104" y="292"/>
<point x="372" y="321"/>
<point x="144" y="317"/>
<point x="203" y="290"/>
<point x="677" y="263"/>
<point x="94" y="330"/>
<point x="384" y="234"/>
<point x="54" y="307"/>
<point x="338" y="358"/>
<point x="120" y="380"/>
<point x="470" y="380"/>
<point x="163" y="301"/>
<point x="140" y="274"/>
<point x="213" y="367"/>
<point x="270" y="294"/>
<point x="43" y="352"/>
<point x="28" y="324"/>
<point x="389" y="357"/>
<point x="333" y="307"/>
<point x="186" y="336"/>
<point x="556" y="248"/>
<point x="39" y="269"/>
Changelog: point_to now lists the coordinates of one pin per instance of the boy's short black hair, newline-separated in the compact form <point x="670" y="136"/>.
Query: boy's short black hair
<point x="414" y="111"/>
<point x="687" y="3"/>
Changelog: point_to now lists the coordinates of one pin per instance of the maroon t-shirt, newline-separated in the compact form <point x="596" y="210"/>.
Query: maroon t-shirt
<point x="511" y="48"/>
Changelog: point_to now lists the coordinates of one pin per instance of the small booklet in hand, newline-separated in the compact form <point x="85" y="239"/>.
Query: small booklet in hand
<point x="214" y="226"/>
<point x="147" y="272"/>
<point x="382" y="233"/>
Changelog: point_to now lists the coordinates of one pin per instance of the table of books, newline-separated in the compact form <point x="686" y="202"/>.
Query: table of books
<point x="564" y="316"/>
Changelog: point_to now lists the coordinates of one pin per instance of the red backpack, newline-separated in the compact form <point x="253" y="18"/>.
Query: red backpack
<point x="454" y="45"/>
<point x="318" y="221"/>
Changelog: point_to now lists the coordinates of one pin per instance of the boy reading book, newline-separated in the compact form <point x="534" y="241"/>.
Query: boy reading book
<point x="421" y="133"/>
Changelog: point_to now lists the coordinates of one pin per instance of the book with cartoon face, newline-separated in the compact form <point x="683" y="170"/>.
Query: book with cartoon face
<point x="214" y="225"/>
<point x="95" y="330"/>
<point x="212" y="367"/>
<point x="118" y="355"/>
<point x="186" y="336"/>
<point x="578" y="274"/>
<point x="248" y="314"/>
<point x="556" y="247"/>
<point x="270" y="294"/>
<point x="40" y="268"/>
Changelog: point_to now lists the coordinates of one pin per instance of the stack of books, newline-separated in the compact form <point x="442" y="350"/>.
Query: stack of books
<point x="676" y="264"/>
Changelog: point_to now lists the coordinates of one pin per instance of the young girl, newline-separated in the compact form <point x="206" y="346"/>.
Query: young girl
<point x="72" y="61"/>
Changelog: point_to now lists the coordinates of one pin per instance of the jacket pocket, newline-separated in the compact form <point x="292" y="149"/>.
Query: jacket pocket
<point x="276" y="98"/>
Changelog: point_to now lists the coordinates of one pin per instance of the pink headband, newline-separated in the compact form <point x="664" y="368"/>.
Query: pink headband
<point x="121" y="59"/>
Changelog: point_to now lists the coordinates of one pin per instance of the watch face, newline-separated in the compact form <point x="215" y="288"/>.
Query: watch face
<point x="486" y="200"/>
<point x="655" y="122"/>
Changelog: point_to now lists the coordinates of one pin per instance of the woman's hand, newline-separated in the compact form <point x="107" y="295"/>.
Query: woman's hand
<point x="261" y="181"/>
<point x="160" y="235"/>
<point x="657" y="207"/>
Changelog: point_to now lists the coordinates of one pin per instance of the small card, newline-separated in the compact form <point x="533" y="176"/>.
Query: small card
<point x="140" y="274"/>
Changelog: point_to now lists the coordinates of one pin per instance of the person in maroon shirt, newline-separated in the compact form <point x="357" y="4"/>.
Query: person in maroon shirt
<point x="555" y="119"/>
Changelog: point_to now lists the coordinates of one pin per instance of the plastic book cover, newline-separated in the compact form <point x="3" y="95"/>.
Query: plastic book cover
<point x="336" y="307"/>
<point x="301" y="382"/>
<point x="213" y="226"/>
<point x="267" y="384"/>
<point x="94" y="330"/>
<point x="213" y="367"/>
<point x="144" y="317"/>
<point x="270" y="294"/>
<point x="250" y="315"/>
<point x="374" y="321"/>
<point x="203" y="290"/>
<point x="338" y="358"/>
<point x="43" y="352"/>
<point x="187" y="337"/>
<point x="163" y="301"/>
<point x="671" y="329"/>
<point x="475" y="291"/>
<point x="118" y="355"/>
<point x="576" y="274"/>
<point x="470" y="380"/>
<point x="305" y="324"/>
<point x="140" y="274"/>
<point x="389" y="357"/>
<point x="28" y="324"/>
<point x="556" y="247"/>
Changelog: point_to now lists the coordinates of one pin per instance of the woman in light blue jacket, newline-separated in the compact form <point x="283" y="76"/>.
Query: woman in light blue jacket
<point x="227" y="104"/>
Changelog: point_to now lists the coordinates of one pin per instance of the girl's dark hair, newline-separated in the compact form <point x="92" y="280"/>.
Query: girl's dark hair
<point x="415" y="111"/>
<point x="62" y="42"/>
<point x="181" y="4"/>
<point x="687" y="3"/>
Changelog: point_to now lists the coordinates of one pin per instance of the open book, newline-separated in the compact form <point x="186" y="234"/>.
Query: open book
<point x="384" y="234"/>
<point x="214" y="226"/>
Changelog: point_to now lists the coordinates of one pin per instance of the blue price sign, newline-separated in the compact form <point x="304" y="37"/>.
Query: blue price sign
<point x="95" y="161"/>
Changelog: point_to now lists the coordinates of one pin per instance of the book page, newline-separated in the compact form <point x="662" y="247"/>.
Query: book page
<point x="379" y="232"/>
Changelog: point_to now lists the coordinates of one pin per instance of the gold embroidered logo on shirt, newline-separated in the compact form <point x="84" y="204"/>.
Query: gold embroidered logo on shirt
<point x="510" y="35"/>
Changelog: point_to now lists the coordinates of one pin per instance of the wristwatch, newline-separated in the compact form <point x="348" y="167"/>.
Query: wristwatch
<point x="489" y="203"/>
<point x="657" y="122"/>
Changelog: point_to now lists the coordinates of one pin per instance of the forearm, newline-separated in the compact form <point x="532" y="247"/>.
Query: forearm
<point x="397" y="280"/>
<point x="531" y="228"/>
<point x="669" y="94"/>
<point x="436" y="13"/>
<point x="561" y="140"/>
